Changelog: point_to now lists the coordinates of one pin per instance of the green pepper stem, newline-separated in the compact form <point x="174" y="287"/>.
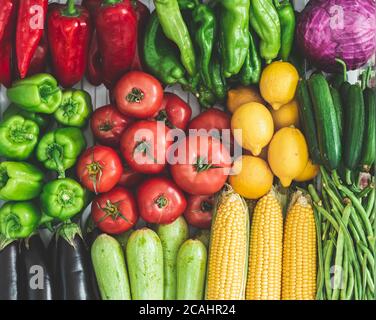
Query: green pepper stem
<point x="111" y="2"/>
<point x="70" y="10"/>
<point x="59" y="164"/>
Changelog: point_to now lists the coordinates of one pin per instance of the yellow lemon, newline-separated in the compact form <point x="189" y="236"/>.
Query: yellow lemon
<point x="278" y="83"/>
<point x="241" y="95"/>
<point x="253" y="177"/>
<point x="310" y="171"/>
<point x="287" y="115"/>
<point x="288" y="154"/>
<point x="255" y="124"/>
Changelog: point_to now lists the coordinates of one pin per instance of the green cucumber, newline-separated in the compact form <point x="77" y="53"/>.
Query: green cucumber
<point x="307" y="119"/>
<point x="328" y="134"/>
<point x="145" y="265"/>
<point x="110" y="269"/>
<point x="338" y="108"/>
<point x="354" y="126"/>
<point x="369" y="145"/>
<point x="191" y="269"/>
<point x="172" y="237"/>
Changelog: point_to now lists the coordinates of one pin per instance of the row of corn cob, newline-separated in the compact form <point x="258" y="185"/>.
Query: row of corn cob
<point x="271" y="263"/>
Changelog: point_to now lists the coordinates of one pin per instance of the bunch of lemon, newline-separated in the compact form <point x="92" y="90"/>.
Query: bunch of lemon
<point x="270" y="134"/>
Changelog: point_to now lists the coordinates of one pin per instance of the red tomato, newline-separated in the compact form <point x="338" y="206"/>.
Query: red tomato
<point x="99" y="168"/>
<point x="214" y="121"/>
<point x="202" y="166"/>
<point x="174" y="111"/>
<point x="199" y="211"/>
<point x="115" y="212"/>
<point x="143" y="146"/>
<point x="130" y="178"/>
<point x="107" y="124"/>
<point x="160" y="200"/>
<point x="138" y="94"/>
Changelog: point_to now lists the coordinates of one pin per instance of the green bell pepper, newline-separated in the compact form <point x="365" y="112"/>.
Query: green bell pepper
<point x="75" y="108"/>
<point x="59" y="149"/>
<point x="62" y="198"/>
<point x="234" y="37"/>
<point x="40" y="119"/>
<point x="19" y="220"/>
<point x="38" y="93"/>
<point x="287" y="20"/>
<point x="160" y="56"/>
<point x="265" y="21"/>
<point x="18" y="137"/>
<point x="205" y="26"/>
<point x="19" y="181"/>
<point x="251" y="70"/>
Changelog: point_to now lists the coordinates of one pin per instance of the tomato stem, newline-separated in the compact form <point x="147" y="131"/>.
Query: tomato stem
<point x="135" y="96"/>
<point x="201" y="165"/>
<point x="161" y="202"/>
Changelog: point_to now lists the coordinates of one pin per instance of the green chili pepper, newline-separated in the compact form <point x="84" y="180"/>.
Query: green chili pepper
<point x="40" y="119"/>
<point x="205" y="26"/>
<point x="287" y="20"/>
<point x="265" y="21"/>
<point x="234" y="38"/>
<point x="218" y="81"/>
<point x="176" y="30"/>
<point x="75" y="108"/>
<point x="19" y="181"/>
<point x="19" y="220"/>
<point x="187" y="4"/>
<point x="59" y="149"/>
<point x="38" y="93"/>
<point x="160" y="56"/>
<point x="62" y="198"/>
<point x="251" y="70"/>
<point x="18" y="137"/>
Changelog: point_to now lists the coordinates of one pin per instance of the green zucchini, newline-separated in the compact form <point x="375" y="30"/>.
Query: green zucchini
<point x="354" y="126"/>
<point x="328" y="135"/>
<point x="191" y="269"/>
<point x="344" y="90"/>
<point x="307" y="119"/>
<point x="145" y="264"/>
<point x="110" y="269"/>
<point x="338" y="108"/>
<point x="369" y="145"/>
<point x="172" y="237"/>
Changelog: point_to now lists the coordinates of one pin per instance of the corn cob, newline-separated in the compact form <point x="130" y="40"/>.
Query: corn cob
<point x="265" y="256"/>
<point x="299" y="251"/>
<point x="227" y="266"/>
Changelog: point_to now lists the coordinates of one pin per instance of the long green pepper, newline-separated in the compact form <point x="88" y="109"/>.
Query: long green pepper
<point x="265" y="21"/>
<point x="251" y="70"/>
<point x="287" y="20"/>
<point x="234" y="34"/>
<point x="176" y="30"/>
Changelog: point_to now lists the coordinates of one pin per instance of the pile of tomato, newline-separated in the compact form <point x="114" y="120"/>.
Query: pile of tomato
<point x="149" y="161"/>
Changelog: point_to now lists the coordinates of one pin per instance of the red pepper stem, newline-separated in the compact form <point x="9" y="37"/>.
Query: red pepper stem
<point x="70" y="10"/>
<point x="111" y="2"/>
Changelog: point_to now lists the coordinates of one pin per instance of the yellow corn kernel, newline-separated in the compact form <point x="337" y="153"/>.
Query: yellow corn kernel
<point x="227" y="265"/>
<point x="299" y="251"/>
<point x="265" y="255"/>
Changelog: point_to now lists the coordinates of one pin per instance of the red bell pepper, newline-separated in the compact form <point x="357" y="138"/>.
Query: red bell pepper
<point x="7" y="14"/>
<point x="29" y="32"/>
<point x="69" y="34"/>
<point x="143" y="15"/>
<point x="94" y="72"/>
<point x="116" y="24"/>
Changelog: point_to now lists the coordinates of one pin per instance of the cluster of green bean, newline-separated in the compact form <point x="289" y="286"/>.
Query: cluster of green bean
<point x="346" y="224"/>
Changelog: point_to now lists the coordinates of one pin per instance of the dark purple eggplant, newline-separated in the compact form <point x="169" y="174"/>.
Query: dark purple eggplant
<point x="53" y="267"/>
<point x="10" y="280"/>
<point x="74" y="270"/>
<point x="37" y="280"/>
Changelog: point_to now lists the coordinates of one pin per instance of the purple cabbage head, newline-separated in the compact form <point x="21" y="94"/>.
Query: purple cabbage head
<point x="343" y="29"/>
